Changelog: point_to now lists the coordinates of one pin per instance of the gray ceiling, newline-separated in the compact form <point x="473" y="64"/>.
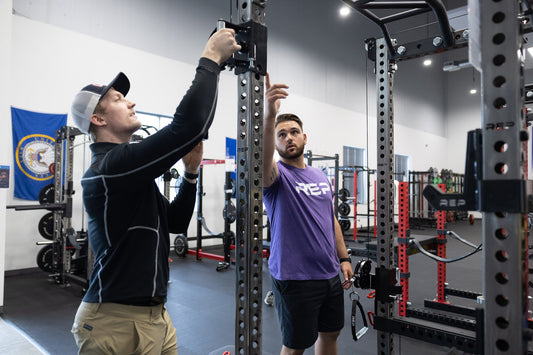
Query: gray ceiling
<point x="158" y="26"/>
<point x="177" y="29"/>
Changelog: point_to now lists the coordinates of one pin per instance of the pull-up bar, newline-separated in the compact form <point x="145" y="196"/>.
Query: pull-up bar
<point x="447" y="39"/>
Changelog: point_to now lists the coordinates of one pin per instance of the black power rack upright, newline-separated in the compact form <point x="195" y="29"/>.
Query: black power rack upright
<point x="495" y="170"/>
<point x="66" y="255"/>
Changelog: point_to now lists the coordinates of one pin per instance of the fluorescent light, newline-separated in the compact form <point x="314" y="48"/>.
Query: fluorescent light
<point x="530" y="50"/>
<point x="473" y="91"/>
<point x="427" y="62"/>
<point x="344" y="11"/>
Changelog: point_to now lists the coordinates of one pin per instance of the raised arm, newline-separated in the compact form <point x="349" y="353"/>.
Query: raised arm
<point x="274" y="94"/>
<point x="193" y="117"/>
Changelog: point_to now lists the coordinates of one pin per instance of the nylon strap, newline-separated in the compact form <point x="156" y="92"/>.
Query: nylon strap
<point x="357" y="334"/>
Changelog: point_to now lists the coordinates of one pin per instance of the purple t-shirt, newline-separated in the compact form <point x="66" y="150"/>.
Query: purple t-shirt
<point x="300" y="209"/>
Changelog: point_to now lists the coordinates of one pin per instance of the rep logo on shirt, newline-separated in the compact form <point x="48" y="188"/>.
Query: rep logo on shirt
<point x="313" y="188"/>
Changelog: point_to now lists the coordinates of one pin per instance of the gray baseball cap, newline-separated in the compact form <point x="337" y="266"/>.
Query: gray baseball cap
<point x="87" y="98"/>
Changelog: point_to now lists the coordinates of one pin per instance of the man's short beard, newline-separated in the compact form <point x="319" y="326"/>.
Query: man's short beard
<point x="295" y="155"/>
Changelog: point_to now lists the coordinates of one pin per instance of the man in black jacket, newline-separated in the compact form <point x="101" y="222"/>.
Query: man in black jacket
<point x="129" y="220"/>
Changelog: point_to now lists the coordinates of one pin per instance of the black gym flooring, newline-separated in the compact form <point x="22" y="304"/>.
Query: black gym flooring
<point x="201" y="302"/>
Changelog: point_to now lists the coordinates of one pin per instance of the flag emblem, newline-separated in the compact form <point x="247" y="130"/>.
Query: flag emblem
<point x="34" y="155"/>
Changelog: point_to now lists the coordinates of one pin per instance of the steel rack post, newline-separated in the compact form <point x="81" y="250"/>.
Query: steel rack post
<point x="501" y="190"/>
<point x="66" y="192"/>
<point x="441" y="252"/>
<point x="355" y="204"/>
<point x="167" y="177"/>
<point x="385" y="190"/>
<point x="199" y="213"/>
<point x="228" y="193"/>
<point x="403" y="245"/>
<point x="57" y="246"/>
<point x="336" y="187"/>
<point x="249" y="197"/>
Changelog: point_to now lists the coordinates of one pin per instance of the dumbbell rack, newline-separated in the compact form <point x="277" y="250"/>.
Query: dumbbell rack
<point x="66" y="255"/>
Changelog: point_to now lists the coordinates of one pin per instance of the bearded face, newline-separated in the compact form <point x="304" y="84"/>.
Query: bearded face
<point x="290" y="140"/>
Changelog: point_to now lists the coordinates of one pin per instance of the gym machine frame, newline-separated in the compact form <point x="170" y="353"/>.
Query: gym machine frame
<point x="250" y="65"/>
<point x="200" y="218"/>
<point x="339" y="194"/>
<point x="504" y="316"/>
<point x="64" y="236"/>
<point x="344" y="196"/>
<point x="316" y="157"/>
<point x="408" y="246"/>
<point x="228" y="214"/>
<point x="421" y="213"/>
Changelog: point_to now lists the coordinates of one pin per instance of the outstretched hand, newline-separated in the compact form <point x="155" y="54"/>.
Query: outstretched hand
<point x="274" y="94"/>
<point x="192" y="160"/>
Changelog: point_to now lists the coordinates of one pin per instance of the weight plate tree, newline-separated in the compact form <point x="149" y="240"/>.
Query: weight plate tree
<point x="63" y="192"/>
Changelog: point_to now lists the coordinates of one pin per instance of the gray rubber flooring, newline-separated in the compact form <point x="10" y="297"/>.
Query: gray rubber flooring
<point x="201" y="302"/>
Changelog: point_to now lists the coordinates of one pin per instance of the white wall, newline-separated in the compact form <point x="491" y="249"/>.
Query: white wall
<point x="326" y="70"/>
<point x="318" y="62"/>
<point x="53" y="64"/>
<point x="5" y="133"/>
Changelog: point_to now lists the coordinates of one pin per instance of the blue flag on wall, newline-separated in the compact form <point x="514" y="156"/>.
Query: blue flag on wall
<point x="231" y="153"/>
<point x="33" y="148"/>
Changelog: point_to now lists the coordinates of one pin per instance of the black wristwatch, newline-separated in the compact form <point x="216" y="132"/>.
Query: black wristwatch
<point x="190" y="175"/>
<point x="349" y="260"/>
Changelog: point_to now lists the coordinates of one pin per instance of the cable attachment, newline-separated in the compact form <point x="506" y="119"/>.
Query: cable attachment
<point x="252" y="37"/>
<point x="357" y="334"/>
<point x="361" y="274"/>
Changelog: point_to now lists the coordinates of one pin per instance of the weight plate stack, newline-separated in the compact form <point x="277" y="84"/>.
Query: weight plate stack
<point x="47" y="194"/>
<point x="45" y="258"/>
<point x="46" y="226"/>
<point x="181" y="246"/>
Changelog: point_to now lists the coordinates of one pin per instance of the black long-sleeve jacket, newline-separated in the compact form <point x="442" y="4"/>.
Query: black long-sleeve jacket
<point x="129" y="220"/>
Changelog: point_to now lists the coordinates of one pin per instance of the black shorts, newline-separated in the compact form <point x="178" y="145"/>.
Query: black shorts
<point x="307" y="307"/>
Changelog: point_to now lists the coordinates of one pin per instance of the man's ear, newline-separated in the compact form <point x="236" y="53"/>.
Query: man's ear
<point x="98" y="120"/>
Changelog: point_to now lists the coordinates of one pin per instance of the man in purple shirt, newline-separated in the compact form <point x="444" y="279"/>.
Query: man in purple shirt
<point x="307" y="247"/>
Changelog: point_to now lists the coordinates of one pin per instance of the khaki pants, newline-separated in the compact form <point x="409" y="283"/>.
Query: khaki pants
<point x="112" y="328"/>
